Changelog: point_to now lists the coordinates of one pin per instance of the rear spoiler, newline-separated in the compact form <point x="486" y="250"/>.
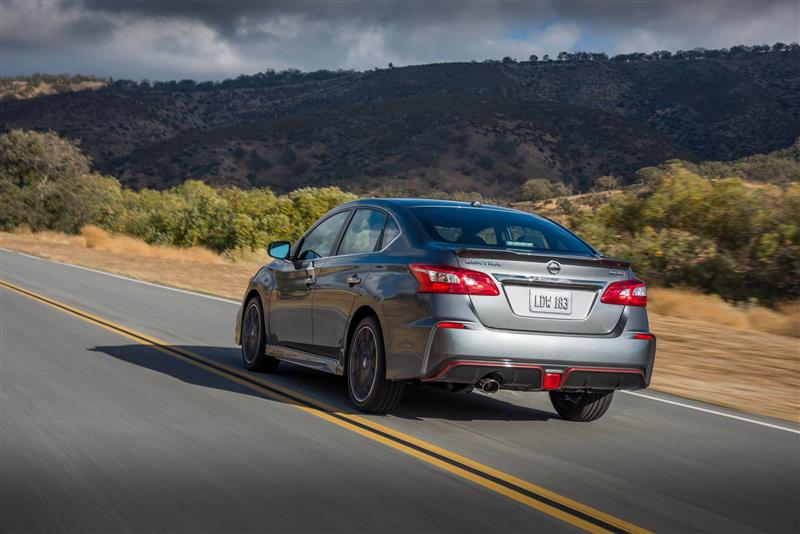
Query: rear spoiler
<point x="538" y="258"/>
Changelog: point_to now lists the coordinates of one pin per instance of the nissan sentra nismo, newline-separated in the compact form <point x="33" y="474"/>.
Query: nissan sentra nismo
<point x="389" y="292"/>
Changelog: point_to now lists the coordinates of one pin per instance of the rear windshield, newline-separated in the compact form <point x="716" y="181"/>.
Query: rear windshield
<point x="497" y="229"/>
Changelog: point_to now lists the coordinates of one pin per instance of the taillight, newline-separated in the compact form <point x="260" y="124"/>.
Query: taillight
<point x="626" y="293"/>
<point x="445" y="279"/>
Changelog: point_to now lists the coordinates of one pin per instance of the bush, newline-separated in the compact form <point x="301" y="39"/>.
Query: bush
<point x="542" y="189"/>
<point x="605" y="183"/>
<point x="536" y="189"/>
<point x="738" y="239"/>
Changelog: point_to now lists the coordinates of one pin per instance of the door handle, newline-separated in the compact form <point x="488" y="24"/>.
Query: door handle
<point x="354" y="280"/>
<point x="311" y="279"/>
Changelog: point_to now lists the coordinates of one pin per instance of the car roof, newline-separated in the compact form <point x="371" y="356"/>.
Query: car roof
<point x="424" y="202"/>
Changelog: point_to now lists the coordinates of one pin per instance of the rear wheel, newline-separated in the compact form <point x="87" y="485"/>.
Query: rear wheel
<point x="254" y="339"/>
<point x="583" y="406"/>
<point x="366" y="371"/>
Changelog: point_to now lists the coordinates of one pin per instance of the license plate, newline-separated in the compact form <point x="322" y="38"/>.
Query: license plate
<point x="551" y="301"/>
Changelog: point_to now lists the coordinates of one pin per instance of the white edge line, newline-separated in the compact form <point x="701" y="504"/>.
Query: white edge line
<point x="715" y="412"/>
<point x="160" y="286"/>
<point x="229" y="301"/>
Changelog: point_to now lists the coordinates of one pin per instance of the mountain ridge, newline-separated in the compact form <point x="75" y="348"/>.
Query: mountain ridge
<point x="482" y="127"/>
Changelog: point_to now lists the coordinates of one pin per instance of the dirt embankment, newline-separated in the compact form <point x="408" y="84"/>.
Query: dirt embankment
<point x="743" y="358"/>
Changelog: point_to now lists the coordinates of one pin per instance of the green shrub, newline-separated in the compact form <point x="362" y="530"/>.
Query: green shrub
<point x="536" y="189"/>
<point x="543" y="189"/>
<point x="605" y="183"/>
<point x="738" y="239"/>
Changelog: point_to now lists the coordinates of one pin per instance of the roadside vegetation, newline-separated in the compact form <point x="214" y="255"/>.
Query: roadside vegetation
<point x="738" y="239"/>
<point x="685" y="225"/>
<point x="47" y="183"/>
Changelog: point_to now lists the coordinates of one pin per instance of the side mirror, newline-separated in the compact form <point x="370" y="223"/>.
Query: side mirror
<point x="279" y="249"/>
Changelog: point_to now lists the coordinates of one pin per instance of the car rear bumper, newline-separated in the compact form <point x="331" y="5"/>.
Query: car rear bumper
<point x="521" y="359"/>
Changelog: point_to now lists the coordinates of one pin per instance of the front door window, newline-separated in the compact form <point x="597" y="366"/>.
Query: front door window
<point x="320" y="242"/>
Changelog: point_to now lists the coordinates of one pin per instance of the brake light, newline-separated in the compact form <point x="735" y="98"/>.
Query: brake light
<point x="626" y="293"/>
<point x="445" y="279"/>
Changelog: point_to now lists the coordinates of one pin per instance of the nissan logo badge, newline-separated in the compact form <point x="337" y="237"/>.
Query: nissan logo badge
<point x="554" y="267"/>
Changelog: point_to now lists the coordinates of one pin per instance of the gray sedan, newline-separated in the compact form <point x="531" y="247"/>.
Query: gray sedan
<point x="460" y="295"/>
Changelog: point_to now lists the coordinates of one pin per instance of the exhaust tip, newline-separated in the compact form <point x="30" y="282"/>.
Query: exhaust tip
<point x="490" y="386"/>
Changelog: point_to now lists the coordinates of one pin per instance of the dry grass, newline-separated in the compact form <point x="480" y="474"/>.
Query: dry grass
<point x="685" y="303"/>
<point x="743" y="358"/>
<point x="195" y="268"/>
<point x="22" y="89"/>
<point x="742" y="369"/>
<point x="98" y="239"/>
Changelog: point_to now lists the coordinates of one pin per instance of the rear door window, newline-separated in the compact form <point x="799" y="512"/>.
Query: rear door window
<point x="390" y="232"/>
<point x="363" y="233"/>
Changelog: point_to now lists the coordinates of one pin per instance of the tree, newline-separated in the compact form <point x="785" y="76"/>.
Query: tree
<point x="605" y="183"/>
<point x="560" y="189"/>
<point x="536" y="189"/>
<point x="30" y="158"/>
<point x="649" y="175"/>
<point x="533" y="58"/>
<point x="46" y="182"/>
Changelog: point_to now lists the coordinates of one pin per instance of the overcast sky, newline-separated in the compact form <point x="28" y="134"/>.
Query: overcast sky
<point x="213" y="40"/>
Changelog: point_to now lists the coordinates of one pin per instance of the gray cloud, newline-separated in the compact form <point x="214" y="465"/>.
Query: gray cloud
<point x="212" y="40"/>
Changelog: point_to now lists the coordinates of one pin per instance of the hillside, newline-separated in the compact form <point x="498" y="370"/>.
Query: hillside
<point x="483" y="127"/>
<point x="23" y="87"/>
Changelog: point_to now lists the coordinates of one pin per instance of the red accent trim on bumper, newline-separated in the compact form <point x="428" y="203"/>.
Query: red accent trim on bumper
<point x="520" y="365"/>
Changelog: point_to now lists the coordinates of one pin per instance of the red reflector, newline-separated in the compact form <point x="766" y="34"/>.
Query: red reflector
<point x="446" y="324"/>
<point x="647" y="337"/>
<point x="551" y="380"/>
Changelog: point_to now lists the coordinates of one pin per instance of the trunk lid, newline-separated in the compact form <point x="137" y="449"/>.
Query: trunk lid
<point x="553" y="293"/>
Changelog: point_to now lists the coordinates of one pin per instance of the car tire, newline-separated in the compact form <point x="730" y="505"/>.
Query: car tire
<point x="365" y="371"/>
<point x="254" y="338"/>
<point x="582" y="407"/>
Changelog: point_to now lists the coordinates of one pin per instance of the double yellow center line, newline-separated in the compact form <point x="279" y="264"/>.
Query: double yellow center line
<point x="526" y="493"/>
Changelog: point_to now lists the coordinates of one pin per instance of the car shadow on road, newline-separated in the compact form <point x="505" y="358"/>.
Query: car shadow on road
<point x="420" y="402"/>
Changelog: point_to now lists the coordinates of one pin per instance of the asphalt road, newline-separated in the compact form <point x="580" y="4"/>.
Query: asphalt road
<point x="101" y="431"/>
